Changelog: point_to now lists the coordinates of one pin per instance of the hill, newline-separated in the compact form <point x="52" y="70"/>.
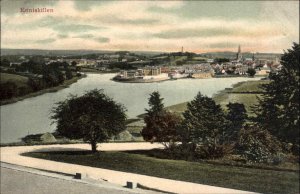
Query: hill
<point x="5" y="51"/>
<point x="232" y="55"/>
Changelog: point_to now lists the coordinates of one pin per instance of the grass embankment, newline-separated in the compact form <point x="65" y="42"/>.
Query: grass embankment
<point x="177" y="58"/>
<point x="19" y="80"/>
<point x="249" y="179"/>
<point x="22" y="81"/>
<point x="95" y="70"/>
<point x="243" y="92"/>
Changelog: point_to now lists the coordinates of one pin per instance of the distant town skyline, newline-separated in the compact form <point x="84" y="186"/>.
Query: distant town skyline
<point x="197" y="26"/>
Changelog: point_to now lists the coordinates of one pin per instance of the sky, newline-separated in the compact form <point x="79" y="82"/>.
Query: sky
<point x="197" y="26"/>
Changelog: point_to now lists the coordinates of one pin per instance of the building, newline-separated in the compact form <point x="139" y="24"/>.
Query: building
<point x="239" y="55"/>
<point x="202" y="75"/>
<point x="151" y="71"/>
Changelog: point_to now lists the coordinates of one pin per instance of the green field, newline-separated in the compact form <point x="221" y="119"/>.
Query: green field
<point x="19" y="80"/>
<point x="249" y="86"/>
<point x="249" y="179"/>
<point x="177" y="58"/>
<point x="243" y="92"/>
<point x="177" y="107"/>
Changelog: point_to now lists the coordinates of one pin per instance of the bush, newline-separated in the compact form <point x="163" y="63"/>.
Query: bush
<point x="24" y="90"/>
<point x="8" y="90"/>
<point x="279" y="158"/>
<point x="214" y="152"/>
<point x="257" y="145"/>
<point x="251" y="72"/>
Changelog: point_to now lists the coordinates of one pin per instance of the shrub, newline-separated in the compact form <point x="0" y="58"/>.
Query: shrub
<point x="213" y="152"/>
<point x="257" y="145"/>
<point x="278" y="158"/>
<point x="8" y="90"/>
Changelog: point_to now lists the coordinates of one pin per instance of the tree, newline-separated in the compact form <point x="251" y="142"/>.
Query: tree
<point x="5" y="62"/>
<point x="204" y="122"/>
<point x="278" y="109"/>
<point x="74" y="63"/>
<point x="236" y="116"/>
<point x="251" y="72"/>
<point x="155" y="103"/>
<point x="94" y="117"/>
<point x="221" y="60"/>
<point x="161" y="125"/>
<point x="8" y="90"/>
<point x="69" y="74"/>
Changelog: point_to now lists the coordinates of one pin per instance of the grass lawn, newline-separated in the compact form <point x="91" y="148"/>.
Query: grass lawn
<point x="177" y="58"/>
<point x="177" y="107"/>
<point x="243" y="92"/>
<point x="20" y="81"/>
<point x="249" y="86"/>
<point x="249" y="179"/>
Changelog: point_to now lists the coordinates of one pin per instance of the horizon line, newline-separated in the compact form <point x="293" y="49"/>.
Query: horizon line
<point x="255" y="52"/>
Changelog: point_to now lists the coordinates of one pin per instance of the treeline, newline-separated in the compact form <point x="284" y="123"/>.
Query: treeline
<point x="206" y="131"/>
<point x="40" y="76"/>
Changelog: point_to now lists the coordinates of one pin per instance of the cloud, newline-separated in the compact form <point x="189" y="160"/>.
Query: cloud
<point x="102" y="39"/>
<point x="9" y="7"/>
<point x="190" y="33"/>
<point x="87" y="5"/>
<point x="152" y="25"/>
<point x="47" y="21"/>
<point x="193" y="10"/>
<point x="62" y="36"/>
<point x="74" y="27"/>
<point x="237" y="31"/>
<point x="44" y="41"/>
<point x="92" y="37"/>
<point x="84" y="36"/>
<point x="136" y="21"/>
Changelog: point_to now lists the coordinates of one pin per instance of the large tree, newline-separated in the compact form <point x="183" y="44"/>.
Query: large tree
<point x="251" y="72"/>
<point x="162" y="128"/>
<point x="236" y="116"/>
<point x="161" y="125"/>
<point x="204" y="122"/>
<point x="93" y="117"/>
<point x="278" y="109"/>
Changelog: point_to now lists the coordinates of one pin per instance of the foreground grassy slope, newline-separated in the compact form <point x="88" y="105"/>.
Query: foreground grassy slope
<point x="249" y="179"/>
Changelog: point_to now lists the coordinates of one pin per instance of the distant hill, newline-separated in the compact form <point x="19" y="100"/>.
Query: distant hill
<point x="65" y="52"/>
<point x="232" y="55"/>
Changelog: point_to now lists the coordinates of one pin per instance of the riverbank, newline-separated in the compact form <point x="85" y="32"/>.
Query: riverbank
<point x="66" y="84"/>
<point x="245" y="92"/>
<point x="141" y="80"/>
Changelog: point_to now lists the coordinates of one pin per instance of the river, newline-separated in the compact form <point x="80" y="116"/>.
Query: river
<point x="31" y="116"/>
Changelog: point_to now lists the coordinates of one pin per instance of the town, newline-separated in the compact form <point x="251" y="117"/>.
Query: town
<point x="132" y="67"/>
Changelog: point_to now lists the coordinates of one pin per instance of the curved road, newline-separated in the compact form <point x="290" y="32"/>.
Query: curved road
<point x="12" y="155"/>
